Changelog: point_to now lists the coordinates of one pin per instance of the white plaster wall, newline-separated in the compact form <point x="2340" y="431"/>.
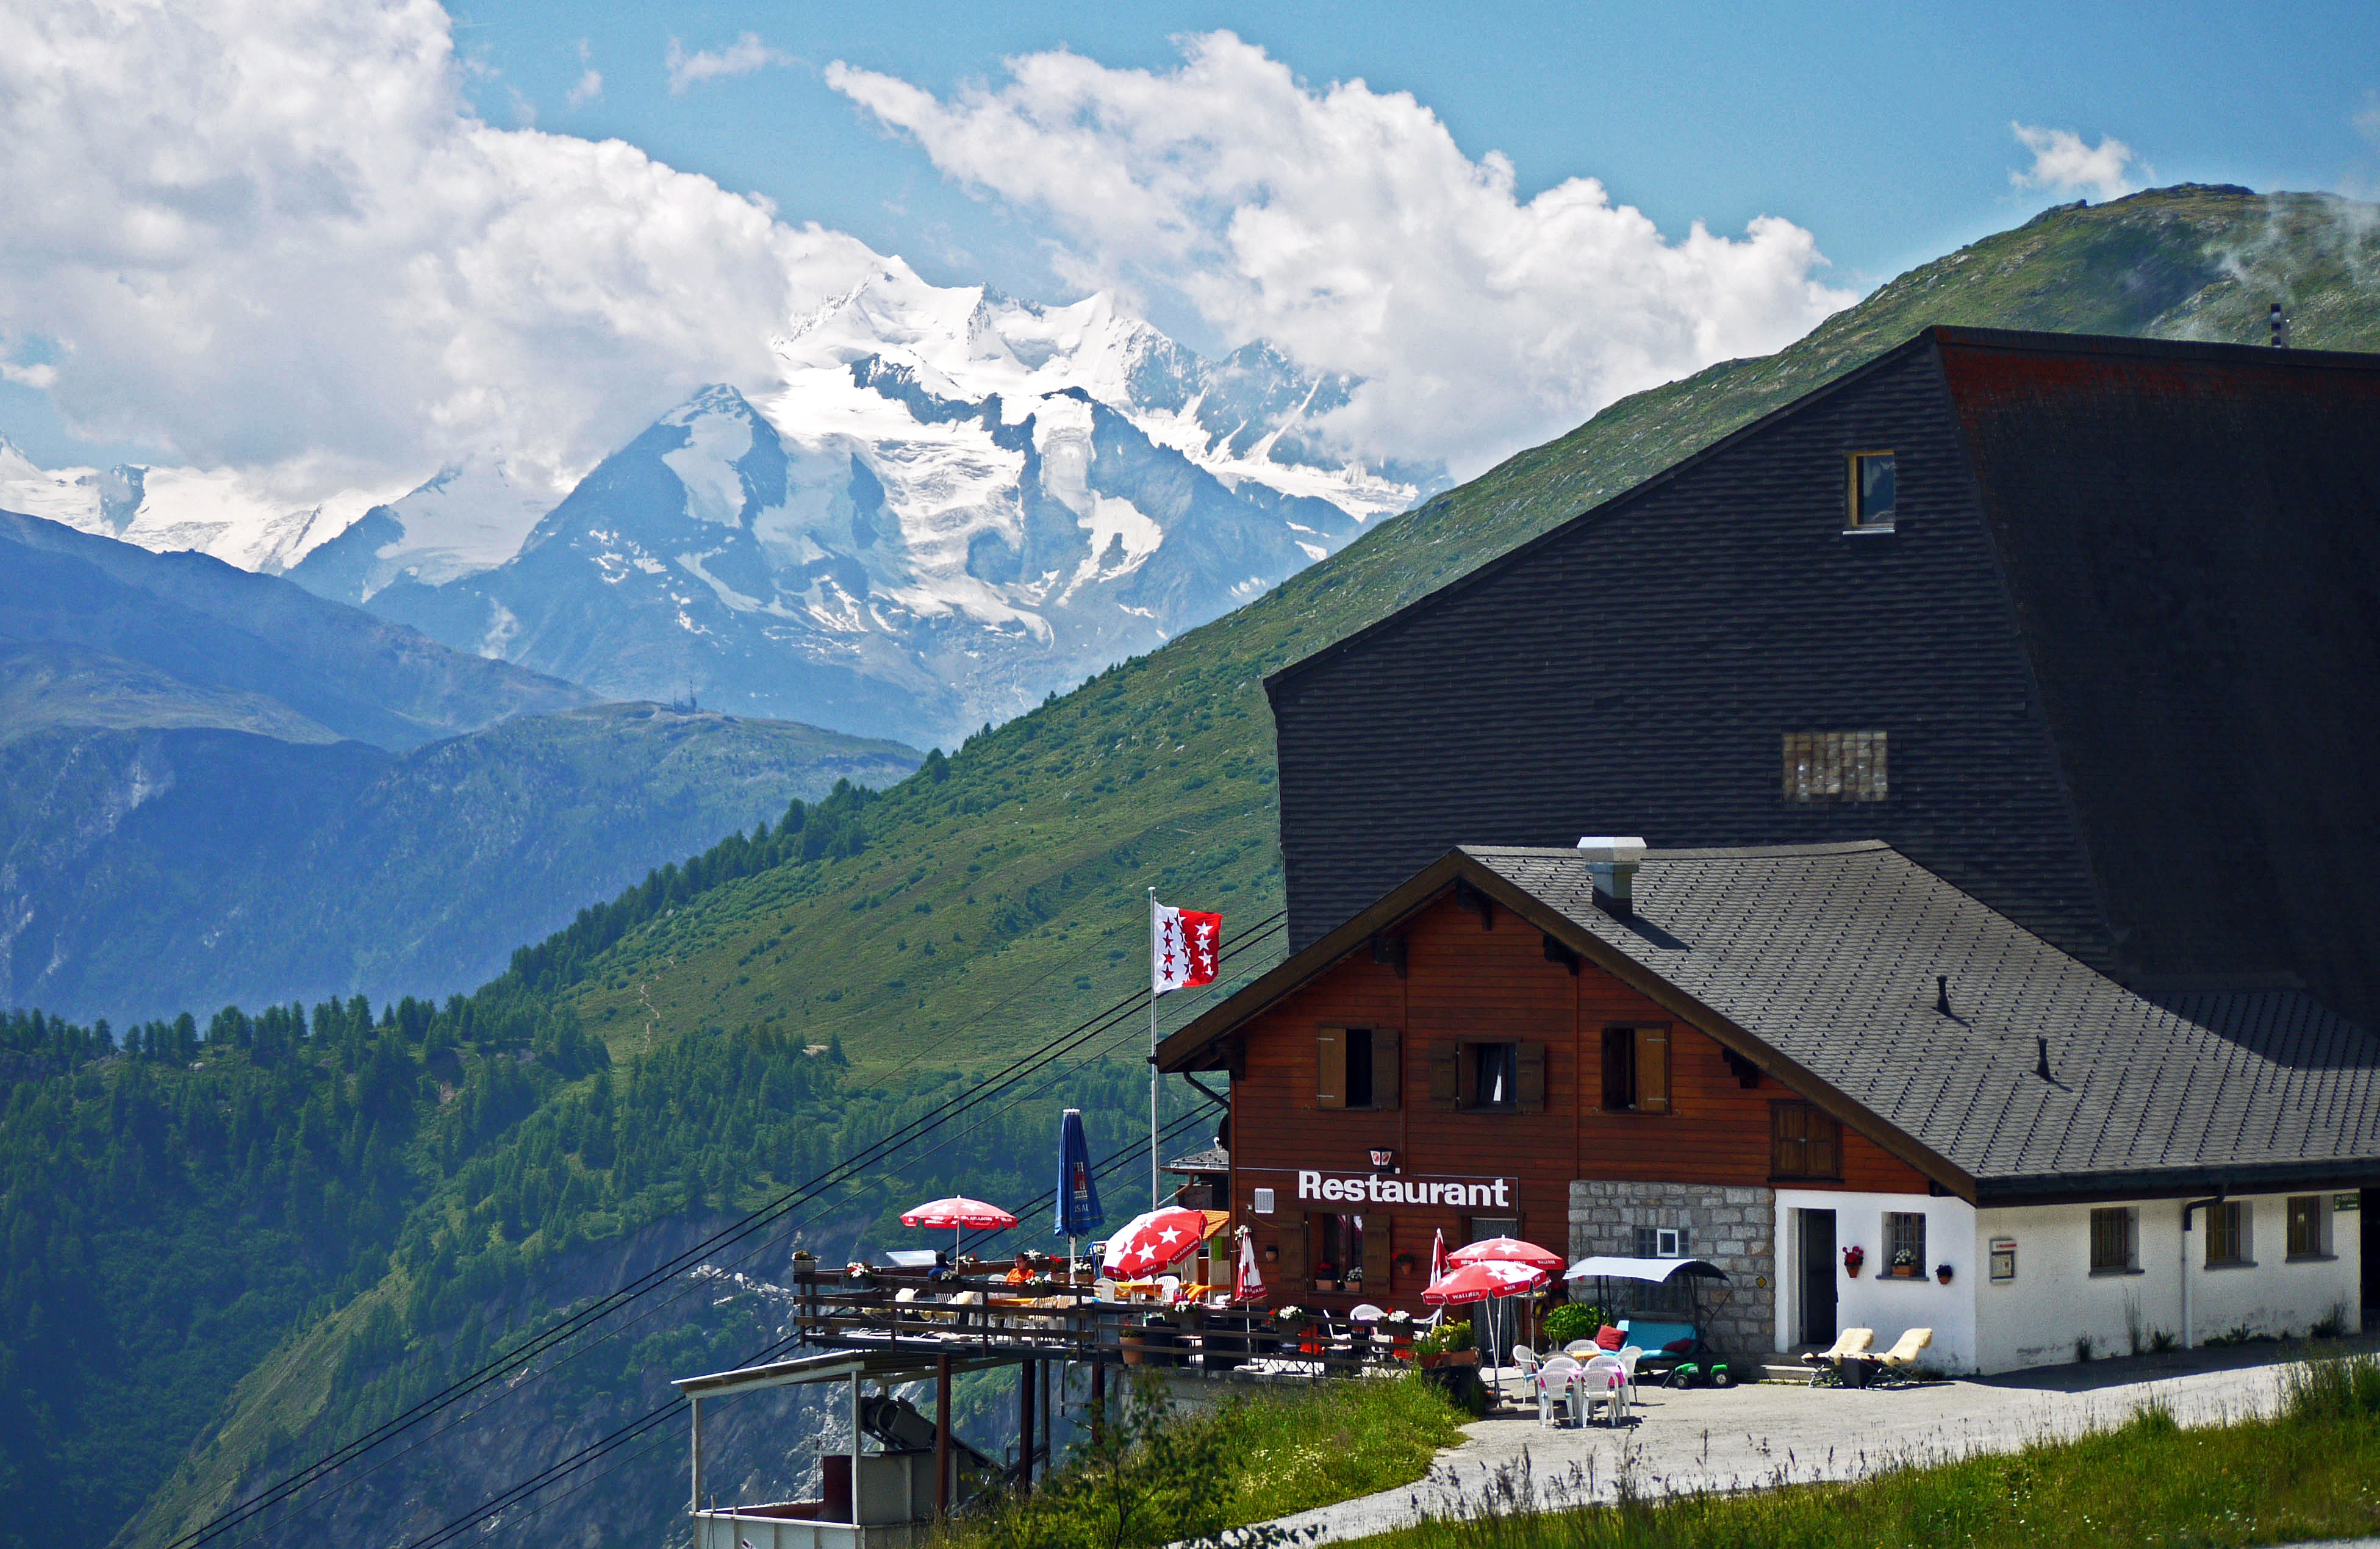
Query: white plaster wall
<point x="2035" y="1319"/>
<point x="1871" y="1300"/>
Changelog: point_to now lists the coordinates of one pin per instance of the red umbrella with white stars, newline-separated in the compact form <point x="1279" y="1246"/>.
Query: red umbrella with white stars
<point x="1150" y="1243"/>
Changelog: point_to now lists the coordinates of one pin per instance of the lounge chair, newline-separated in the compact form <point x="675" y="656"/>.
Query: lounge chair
<point x="1851" y="1344"/>
<point x="1904" y="1350"/>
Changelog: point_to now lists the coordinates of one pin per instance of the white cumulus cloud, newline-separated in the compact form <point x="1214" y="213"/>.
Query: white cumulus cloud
<point x="2062" y="164"/>
<point x="1346" y="226"/>
<point x="742" y="57"/>
<point x="275" y="235"/>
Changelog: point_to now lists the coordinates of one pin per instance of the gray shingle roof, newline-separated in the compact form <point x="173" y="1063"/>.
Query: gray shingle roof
<point x="1828" y="954"/>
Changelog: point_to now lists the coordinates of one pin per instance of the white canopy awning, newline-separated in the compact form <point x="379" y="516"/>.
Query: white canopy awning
<point x="1616" y="1268"/>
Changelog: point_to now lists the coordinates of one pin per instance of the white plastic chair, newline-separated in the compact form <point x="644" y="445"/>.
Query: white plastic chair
<point x="1552" y="1382"/>
<point x="1602" y="1382"/>
<point x="1525" y="1362"/>
<point x="1629" y="1356"/>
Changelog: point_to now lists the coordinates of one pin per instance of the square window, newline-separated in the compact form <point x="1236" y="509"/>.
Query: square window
<point x="2115" y="1240"/>
<point x="1636" y="1070"/>
<point x="2227" y="1234"/>
<point x="1905" y="1244"/>
<point x="1836" y="766"/>
<point x="2308" y="1238"/>
<point x="1874" y="493"/>
<point x="1802" y="1143"/>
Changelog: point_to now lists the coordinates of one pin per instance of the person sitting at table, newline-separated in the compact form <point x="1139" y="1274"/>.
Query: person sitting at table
<point x="1024" y="1270"/>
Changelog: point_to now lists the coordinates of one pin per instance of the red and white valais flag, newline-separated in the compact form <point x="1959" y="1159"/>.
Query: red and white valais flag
<point x="1184" y="947"/>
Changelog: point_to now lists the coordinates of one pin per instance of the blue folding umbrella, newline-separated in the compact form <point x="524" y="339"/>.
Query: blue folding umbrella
<point x="1078" y="1191"/>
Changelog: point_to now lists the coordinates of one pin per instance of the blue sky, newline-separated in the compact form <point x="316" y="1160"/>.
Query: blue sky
<point x="1884" y="129"/>
<point x="272" y="238"/>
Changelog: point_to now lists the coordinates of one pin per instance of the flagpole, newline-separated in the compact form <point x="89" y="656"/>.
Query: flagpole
<point x="1154" y="1203"/>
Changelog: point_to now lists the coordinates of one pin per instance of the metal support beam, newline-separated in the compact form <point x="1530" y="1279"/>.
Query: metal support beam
<point x="697" y="1492"/>
<point x="942" y="1438"/>
<point x="855" y="1448"/>
<point x="1024" y="1384"/>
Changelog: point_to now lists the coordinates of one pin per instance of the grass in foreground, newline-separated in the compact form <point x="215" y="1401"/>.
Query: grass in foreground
<point x="2312" y="1473"/>
<point x="1155" y="1477"/>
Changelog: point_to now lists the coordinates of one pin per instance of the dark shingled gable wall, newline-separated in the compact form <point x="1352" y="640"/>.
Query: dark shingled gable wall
<point x="2058" y="680"/>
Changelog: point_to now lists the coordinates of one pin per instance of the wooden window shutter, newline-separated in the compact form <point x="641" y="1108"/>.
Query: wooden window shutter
<point x="1331" y="1077"/>
<point x="1386" y="1067"/>
<point x="1789" y="1142"/>
<point x="1466" y="1076"/>
<point x="1376" y="1253"/>
<point x="1530" y="1086"/>
<point x="1652" y="1070"/>
<point x="1445" y="1083"/>
<point x="1293" y="1232"/>
<point x="1826" y="1146"/>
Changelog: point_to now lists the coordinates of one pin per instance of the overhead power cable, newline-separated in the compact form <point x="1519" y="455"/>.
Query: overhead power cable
<point x="553" y="1472"/>
<point x="568" y="1327"/>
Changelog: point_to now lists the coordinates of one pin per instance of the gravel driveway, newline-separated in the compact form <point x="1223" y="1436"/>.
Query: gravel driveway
<point x="1780" y="1433"/>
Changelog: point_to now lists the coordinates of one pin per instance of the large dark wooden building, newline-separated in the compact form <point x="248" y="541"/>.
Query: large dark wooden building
<point x="2088" y="627"/>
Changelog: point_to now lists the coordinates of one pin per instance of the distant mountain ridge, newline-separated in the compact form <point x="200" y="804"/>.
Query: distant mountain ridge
<point x="216" y="626"/>
<point x="217" y="786"/>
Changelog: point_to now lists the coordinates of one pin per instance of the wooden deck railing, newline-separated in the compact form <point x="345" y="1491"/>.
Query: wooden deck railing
<point x="985" y="1316"/>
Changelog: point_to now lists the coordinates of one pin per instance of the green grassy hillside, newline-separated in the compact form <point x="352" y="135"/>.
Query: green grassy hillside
<point x="1001" y="893"/>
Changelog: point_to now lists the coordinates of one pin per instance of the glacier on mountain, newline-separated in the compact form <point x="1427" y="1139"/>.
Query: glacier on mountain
<point x="945" y="504"/>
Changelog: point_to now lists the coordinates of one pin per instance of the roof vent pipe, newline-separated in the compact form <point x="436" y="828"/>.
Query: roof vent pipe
<point x="2041" y="1059"/>
<point x="1942" y="993"/>
<point x="2280" y="320"/>
<point x="1612" y="862"/>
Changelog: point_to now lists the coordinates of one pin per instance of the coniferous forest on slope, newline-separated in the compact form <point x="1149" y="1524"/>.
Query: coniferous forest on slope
<point x="236" y="1241"/>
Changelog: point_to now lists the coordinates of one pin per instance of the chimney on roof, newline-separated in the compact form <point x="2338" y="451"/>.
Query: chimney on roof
<point x="2280" y="320"/>
<point x="1612" y="863"/>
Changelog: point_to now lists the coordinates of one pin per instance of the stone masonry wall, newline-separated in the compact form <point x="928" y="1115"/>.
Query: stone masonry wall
<point x="1733" y="1227"/>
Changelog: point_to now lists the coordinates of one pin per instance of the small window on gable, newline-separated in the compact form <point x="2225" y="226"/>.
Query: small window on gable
<point x="1804" y="1143"/>
<point x="1837" y="766"/>
<point x="1636" y="1070"/>
<point x="1873" y="496"/>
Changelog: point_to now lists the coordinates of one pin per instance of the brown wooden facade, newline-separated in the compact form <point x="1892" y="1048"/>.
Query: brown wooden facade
<point x="1462" y="971"/>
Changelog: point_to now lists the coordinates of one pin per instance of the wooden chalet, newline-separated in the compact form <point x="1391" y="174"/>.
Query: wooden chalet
<point x="1768" y="1058"/>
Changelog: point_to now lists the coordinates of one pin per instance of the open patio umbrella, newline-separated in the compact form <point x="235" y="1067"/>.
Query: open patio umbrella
<point x="1506" y="1249"/>
<point x="1485" y="1280"/>
<point x="1155" y="1242"/>
<point x="960" y="1214"/>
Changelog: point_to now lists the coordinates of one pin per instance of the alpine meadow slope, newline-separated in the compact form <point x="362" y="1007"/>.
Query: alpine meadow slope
<point x="991" y="900"/>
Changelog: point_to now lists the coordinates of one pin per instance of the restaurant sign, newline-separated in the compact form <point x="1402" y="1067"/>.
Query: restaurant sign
<point x="1479" y="1194"/>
